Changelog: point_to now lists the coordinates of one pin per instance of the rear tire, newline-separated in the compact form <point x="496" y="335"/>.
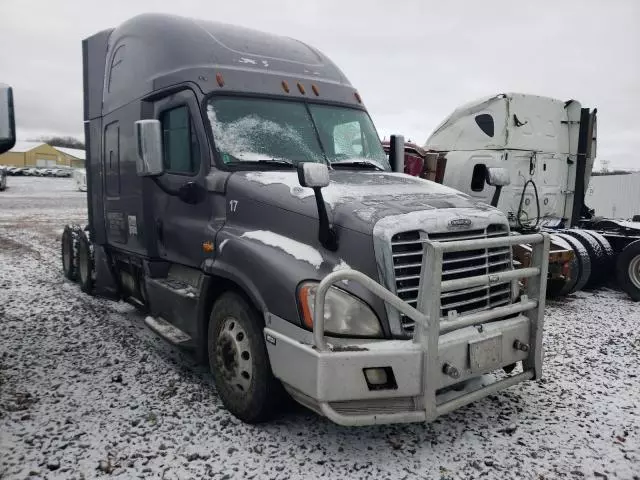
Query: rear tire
<point x="69" y="252"/>
<point x="628" y="270"/>
<point x="596" y="254"/>
<point x="559" y="288"/>
<point x="239" y="362"/>
<point x="584" y="260"/>
<point x="607" y="250"/>
<point x="86" y="269"/>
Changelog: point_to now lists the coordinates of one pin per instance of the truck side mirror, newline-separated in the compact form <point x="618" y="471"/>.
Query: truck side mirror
<point x="316" y="176"/>
<point x="396" y="153"/>
<point x="498" y="176"/>
<point x="149" y="148"/>
<point x="7" y="119"/>
<point x="313" y="175"/>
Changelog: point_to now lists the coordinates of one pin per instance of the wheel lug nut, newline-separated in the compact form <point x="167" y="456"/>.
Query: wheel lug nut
<point x="450" y="370"/>
<point x="518" y="345"/>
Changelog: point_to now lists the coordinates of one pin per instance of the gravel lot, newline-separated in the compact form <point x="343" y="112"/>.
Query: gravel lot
<point x="86" y="391"/>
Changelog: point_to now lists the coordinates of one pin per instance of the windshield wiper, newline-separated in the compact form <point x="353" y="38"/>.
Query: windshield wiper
<point x="357" y="163"/>
<point x="265" y="161"/>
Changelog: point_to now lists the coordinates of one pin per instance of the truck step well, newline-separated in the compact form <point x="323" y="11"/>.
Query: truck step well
<point x="168" y="331"/>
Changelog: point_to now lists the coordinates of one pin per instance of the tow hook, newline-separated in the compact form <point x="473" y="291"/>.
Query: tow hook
<point x="518" y="345"/>
<point x="450" y="370"/>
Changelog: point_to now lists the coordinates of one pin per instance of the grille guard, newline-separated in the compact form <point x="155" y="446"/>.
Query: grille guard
<point x="335" y="370"/>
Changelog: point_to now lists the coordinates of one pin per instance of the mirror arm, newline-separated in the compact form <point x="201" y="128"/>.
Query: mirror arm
<point x="496" y="196"/>
<point x="326" y="234"/>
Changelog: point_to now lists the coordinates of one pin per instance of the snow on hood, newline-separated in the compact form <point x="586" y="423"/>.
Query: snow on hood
<point x="355" y="187"/>
<point x="356" y="199"/>
<point x="297" y="250"/>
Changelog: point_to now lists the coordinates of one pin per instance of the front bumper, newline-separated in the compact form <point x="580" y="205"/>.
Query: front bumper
<point x="333" y="382"/>
<point x="431" y="374"/>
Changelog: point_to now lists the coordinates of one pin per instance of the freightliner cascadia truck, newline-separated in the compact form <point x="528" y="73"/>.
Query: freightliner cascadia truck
<point x="7" y="127"/>
<point x="239" y="194"/>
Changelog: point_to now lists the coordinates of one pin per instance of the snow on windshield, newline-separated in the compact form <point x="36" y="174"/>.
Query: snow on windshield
<point x="251" y="138"/>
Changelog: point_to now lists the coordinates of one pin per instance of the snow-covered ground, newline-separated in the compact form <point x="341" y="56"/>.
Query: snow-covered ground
<point x="87" y="391"/>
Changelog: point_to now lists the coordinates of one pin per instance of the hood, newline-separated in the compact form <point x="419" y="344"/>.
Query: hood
<point x="355" y="200"/>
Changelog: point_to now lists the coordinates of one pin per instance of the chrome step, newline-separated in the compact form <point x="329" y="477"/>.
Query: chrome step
<point x="166" y="330"/>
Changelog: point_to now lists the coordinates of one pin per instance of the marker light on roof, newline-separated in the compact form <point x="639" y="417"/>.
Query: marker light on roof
<point x="285" y="86"/>
<point x="357" y="95"/>
<point x="219" y="79"/>
<point x="301" y="88"/>
<point x="315" y="89"/>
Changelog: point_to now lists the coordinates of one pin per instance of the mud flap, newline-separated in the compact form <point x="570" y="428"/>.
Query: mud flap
<point x="105" y="282"/>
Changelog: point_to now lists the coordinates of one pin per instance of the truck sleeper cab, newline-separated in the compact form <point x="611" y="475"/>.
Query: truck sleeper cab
<point x="238" y="191"/>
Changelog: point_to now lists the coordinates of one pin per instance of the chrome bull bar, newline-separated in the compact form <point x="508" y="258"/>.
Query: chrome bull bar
<point x="429" y="325"/>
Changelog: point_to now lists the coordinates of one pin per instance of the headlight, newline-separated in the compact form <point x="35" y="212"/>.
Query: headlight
<point x="344" y="314"/>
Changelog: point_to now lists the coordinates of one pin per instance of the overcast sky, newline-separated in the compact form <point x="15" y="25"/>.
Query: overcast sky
<point x="412" y="61"/>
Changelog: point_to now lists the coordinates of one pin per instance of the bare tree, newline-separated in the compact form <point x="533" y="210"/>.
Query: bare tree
<point x="65" y="142"/>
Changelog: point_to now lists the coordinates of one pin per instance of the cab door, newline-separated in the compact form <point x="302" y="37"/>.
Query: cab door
<point x="181" y="226"/>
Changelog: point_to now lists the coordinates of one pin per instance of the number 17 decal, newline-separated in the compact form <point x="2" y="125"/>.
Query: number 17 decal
<point x="233" y="205"/>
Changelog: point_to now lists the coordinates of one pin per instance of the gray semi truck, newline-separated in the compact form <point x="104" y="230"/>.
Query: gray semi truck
<point x="7" y="128"/>
<point x="239" y="194"/>
<point x="7" y="119"/>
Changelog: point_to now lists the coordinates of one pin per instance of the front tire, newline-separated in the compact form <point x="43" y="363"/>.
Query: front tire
<point x="239" y="362"/>
<point x="86" y="269"/>
<point x="69" y="252"/>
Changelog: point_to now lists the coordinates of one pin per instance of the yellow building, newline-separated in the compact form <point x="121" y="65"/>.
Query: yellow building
<point x="73" y="157"/>
<point x="31" y="154"/>
<point x="39" y="154"/>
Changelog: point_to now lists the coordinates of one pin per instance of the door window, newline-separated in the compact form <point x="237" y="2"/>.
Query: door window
<point x="179" y="142"/>
<point x="485" y="122"/>
<point x="478" y="177"/>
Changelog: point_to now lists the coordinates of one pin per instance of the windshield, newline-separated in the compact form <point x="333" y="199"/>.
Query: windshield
<point x="252" y="130"/>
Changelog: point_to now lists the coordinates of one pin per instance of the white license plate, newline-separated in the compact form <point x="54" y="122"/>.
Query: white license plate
<point x="486" y="353"/>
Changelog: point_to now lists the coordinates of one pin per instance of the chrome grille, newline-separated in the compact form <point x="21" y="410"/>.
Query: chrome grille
<point x="407" y="261"/>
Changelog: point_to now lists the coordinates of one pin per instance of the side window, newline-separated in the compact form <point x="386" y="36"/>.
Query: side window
<point x="347" y="139"/>
<point x="116" y="68"/>
<point x="478" y="177"/>
<point x="112" y="159"/>
<point x="485" y="122"/>
<point x="179" y="142"/>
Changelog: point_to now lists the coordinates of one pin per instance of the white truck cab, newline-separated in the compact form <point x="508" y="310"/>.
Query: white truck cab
<point x="537" y="139"/>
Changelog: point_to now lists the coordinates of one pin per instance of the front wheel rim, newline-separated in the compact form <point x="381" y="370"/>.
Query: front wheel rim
<point x="634" y="271"/>
<point x="234" y="356"/>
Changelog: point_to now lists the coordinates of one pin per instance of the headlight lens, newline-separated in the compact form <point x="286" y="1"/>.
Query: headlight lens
<point x="344" y="314"/>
